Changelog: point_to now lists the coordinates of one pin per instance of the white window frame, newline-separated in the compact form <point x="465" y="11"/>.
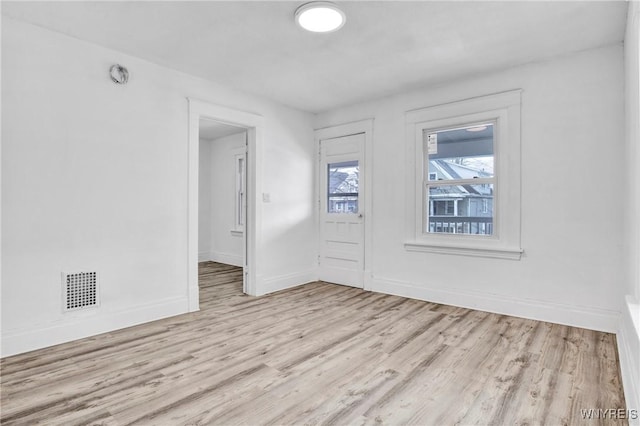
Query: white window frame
<point x="240" y="191"/>
<point x="504" y="110"/>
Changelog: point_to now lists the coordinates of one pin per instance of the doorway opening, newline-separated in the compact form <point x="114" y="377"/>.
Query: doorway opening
<point x="246" y="208"/>
<point x="221" y="208"/>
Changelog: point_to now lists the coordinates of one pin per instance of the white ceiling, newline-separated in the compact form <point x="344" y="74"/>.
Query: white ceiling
<point x="384" y="48"/>
<point x="210" y="129"/>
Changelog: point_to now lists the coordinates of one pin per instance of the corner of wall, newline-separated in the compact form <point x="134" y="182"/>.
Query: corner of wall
<point x="628" y="335"/>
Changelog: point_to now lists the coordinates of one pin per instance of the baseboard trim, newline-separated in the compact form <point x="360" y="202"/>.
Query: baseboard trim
<point x="226" y="258"/>
<point x="368" y="280"/>
<point x="629" y="352"/>
<point x="282" y="282"/>
<point x="576" y="316"/>
<point x="24" y="340"/>
<point x="204" y="256"/>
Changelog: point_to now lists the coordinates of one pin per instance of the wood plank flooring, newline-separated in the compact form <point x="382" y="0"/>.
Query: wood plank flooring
<point x="317" y="354"/>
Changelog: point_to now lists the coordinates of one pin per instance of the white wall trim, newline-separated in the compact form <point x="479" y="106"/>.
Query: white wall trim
<point x="282" y="282"/>
<point x="496" y="253"/>
<point x="226" y="258"/>
<point x="540" y="310"/>
<point x="204" y="256"/>
<point x="253" y="236"/>
<point x="89" y="324"/>
<point x="629" y="353"/>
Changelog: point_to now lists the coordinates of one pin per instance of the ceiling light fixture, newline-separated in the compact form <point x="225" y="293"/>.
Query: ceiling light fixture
<point x="320" y="17"/>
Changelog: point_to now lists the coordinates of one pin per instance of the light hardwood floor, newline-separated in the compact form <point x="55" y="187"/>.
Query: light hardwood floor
<point x="317" y="354"/>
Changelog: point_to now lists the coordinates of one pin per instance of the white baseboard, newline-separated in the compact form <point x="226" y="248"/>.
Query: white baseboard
<point x="204" y="256"/>
<point x="577" y="316"/>
<point x="282" y="282"/>
<point x="89" y="324"/>
<point x="367" y="280"/>
<point x="629" y="353"/>
<point x="226" y="258"/>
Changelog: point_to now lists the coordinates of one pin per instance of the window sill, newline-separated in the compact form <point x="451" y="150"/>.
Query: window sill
<point x="462" y="250"/>
<point x="236" y="233"/>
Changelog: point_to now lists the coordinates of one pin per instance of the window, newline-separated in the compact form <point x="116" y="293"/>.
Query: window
<point x="442" y="207"/>
<point x="464" y="161"/>
<point x="240" y="191"/>
<point x="342" y="188"/>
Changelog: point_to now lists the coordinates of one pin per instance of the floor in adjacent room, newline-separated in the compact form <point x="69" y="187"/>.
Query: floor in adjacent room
<point x="317" y="354"/>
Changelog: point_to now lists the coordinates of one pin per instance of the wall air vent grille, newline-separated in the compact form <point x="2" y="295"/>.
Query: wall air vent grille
<point x="80" y="290"/>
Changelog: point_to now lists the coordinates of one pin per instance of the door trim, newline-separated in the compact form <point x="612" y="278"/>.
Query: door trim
<point x="253" y="225"/>
<point x="348" y="129"/>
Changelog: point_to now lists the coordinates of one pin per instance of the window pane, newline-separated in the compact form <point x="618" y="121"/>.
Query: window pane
<point x="342" y="187"/>
<point x="460" y="209"/>
<point x="240" y="192"/>
<point x="460" y="153"/>
<point x="343" y="204"/>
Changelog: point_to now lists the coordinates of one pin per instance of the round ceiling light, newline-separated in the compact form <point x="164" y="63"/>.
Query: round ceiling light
<point x="320" y="17"/>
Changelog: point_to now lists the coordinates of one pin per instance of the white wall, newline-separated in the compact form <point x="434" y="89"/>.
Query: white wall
<point x="629" y="334"/>
<point x="204" y="202"/>
<point x="225" y="245"/>
<point x="572" y="195"/>
<point x="94" y="175"/>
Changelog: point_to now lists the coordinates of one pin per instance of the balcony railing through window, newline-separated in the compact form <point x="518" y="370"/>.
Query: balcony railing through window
<point x="461" y="225"/>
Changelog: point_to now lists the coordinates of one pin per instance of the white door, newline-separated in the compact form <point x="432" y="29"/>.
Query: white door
<point x="342" y="212"/>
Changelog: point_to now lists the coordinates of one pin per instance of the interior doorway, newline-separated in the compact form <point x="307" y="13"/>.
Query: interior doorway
<point x="252" y="125"/>
<point x="221" y="208"/>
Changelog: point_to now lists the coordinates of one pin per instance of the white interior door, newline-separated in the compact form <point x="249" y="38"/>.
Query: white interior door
<point x="342" y="212"/>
